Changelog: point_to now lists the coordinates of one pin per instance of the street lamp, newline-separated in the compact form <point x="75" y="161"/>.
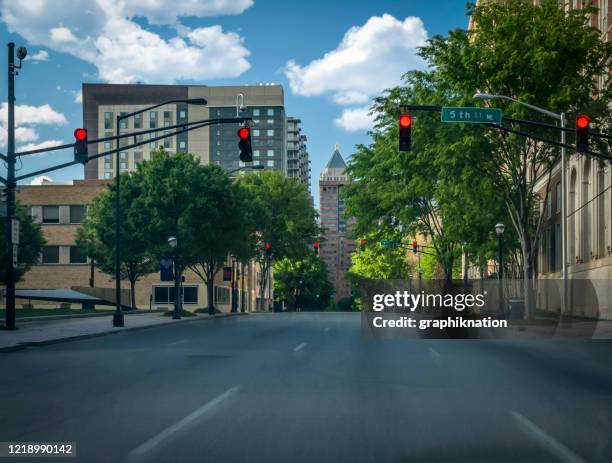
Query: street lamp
<point x="499" y="229"/>
<point x="233" y="282"/>
<point x="118" y="316"/>
<point x="173" y="242"/>
<point x="561" y="118"/>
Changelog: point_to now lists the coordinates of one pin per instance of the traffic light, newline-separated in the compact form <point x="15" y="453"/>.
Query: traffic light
<point x="415" y="246"/>
<point x="582" y="133"/>
<point x="405" y="132"/>
<point x="315" y="246"/>
<point x="362" y="243"/>
<point x="80" y="146"/>
<point x="246" y="151"/>
<point x="268" y="249"/>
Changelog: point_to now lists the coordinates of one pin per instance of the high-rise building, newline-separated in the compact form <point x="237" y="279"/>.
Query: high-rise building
<point x="216" y="144"/>
<point x="298" y="164"/>
<point x="337" y="247"/>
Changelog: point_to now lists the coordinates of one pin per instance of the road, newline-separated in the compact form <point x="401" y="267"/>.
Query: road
<point x="307" y="387"/>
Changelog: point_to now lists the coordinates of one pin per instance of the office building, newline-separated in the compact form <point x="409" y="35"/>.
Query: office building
<point x="337" y="246"/>
<point x="298" y="163"/>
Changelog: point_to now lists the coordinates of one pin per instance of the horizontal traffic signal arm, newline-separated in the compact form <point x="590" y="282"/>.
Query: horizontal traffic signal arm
<point x="135" y="134"/>
<point x="525" y="134"/>
<point x="199" y="125"/>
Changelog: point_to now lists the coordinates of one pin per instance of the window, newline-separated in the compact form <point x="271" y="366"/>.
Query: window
<point x="76" y="214"/>
<point x="256" y="112"/>
<point x="123" y="122"/>
<point x="166" y="123"/>
<point x="271" y="163"/>
<point x="77" y="256"/>
<point x="270" y="153"/>
<point x="50" y="214"/>
<point x="182" y="114"/>
<point x="108" y="161"/>
<point x="123" y="165"/>
<point x="167" y="115"/>
<point x="138" y="121"/>
<point x="168" y="140"/>
<point x="256" y="132"/>
<point x="270" y="132"/>
<point x="256" y="153"/>
<point x="108" y="120"/>
<point x="549" y="204"/>
<point x="182" y="144"/>
<point x="221" y="295"/>
<point x="255" y="121"/>
<point x="270" y="121"/>
<point x="558" y="193"/>
<point x="50" y="255"/>
<point x="153" y="144"/>
<point x="152" y="119"/>
<point x="165" y="294"/>
<point x="107" y="145"/>
<point x="123" y="155"/>
<point x="270" y="112"/>
<point x="108" y="175"/>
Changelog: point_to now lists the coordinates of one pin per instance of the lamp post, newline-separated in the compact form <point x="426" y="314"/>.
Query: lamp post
<point x="118" y="316"/>
<point x="242" y="286"/>
<point x="561" y="118"/>
<point x="234" y="300"/>
<point x="173" y="242"/>
<point x="499" y="229"/>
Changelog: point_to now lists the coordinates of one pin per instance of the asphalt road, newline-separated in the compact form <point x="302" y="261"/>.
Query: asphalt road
<point x="309" y="388"/>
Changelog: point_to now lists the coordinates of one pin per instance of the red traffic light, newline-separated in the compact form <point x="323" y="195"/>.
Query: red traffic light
<point x="80" y="134"/>
<point x="582" y="121"/>
<point x="244" y="133"/>
<point x="267" y="246"/>
<point x="316" y="244"/>
<point x="405" y="120"/>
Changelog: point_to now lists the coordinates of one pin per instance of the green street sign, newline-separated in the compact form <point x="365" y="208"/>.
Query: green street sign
<point x="471" y="115"/>
<point x="386" y="243"/>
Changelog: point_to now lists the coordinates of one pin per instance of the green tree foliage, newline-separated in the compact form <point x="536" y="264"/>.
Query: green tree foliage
<point x="97" y="233"/>
<point x="31" y="242"/>
<point x="283" y="216"/>
<point x="302" y="283"/>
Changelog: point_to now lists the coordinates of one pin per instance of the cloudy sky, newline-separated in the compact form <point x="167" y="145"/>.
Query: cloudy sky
<point x="331" y="57"/>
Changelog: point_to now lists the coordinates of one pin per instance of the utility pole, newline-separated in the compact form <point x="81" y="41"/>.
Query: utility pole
<point x="118" y="315"/>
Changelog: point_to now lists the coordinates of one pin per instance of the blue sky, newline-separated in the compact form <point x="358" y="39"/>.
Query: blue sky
<point x="331" y="57"/>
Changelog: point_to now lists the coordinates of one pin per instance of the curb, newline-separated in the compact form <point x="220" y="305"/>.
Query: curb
<point x="25" y="345"/>
<point x="85" y="315"/>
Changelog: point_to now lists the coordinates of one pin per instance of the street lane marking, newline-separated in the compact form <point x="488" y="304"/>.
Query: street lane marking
<point x="144" y="448"/>
<point x="300" y="347"/>
<point x="545" y="440"/>
<point x="435" y="355"/>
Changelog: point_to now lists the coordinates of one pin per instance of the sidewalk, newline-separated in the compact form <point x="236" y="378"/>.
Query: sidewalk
<point x="42" y="332"/>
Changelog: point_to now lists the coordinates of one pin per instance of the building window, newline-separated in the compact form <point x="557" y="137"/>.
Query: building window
<point x="167" y="140"/>
<point x="153" y="144"/>
<point x="270" y="112"/>
<point x="182" y="144"/>
<point x="167" y="115"/>
<point x="256" y="153"/>
<point x="166" y="123"/>
<point x="107" y="145"/>
<point x="558" y="195"/>
<point x="255" y="121"/>
<point x="123" y="165"/>
<point x="50" y="214"/>
<point x="270" y="132"/>
<point x="270" y="153"/>
<point x="190" y="294"/>
<point x="270" y="163"/>
<point x="165" y="294"/>
<point x="108" y="120"/>
<point x="108" y="161"/>
<point x="76" y="214"/>
<point x="123" y="122"/>
<point x="77" y="256"/>
<point x="256" y="112"/>
<point x="108" y="175"/>
<point x="50" y="255"/>
<point x="182" y="114"/>
<point x="221" y="295"/>
<point x="152" y="119"/>
<point x="270" y="121"/>
<point x="123" y="155"/>
<point x="138" y="121"/>
<point x="256" y="132"/>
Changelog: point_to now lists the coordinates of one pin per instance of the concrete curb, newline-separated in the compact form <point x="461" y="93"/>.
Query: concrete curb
<point x="85" y="315"/>
<point x="25" y="345"/>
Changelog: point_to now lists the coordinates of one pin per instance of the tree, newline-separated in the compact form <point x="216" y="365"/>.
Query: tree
<point x="284" y="218"/>
<point x="221" y="219"/>
<point x="97" y="233"/>
<point x="539" y="54"/>
<point x="302" y="283"/>
<point x="31" y="242"/>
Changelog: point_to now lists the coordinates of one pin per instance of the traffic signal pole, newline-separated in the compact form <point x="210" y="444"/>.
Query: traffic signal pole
<point x="9" y="279"/>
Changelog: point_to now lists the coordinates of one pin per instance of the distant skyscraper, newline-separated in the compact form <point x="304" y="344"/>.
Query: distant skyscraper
<point x="298" y="164"/>
<point x="337" y="246"/>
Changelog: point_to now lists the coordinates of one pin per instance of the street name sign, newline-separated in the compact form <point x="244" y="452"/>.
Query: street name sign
<point x="471" y="115"/>
<point x="15" y="231"/>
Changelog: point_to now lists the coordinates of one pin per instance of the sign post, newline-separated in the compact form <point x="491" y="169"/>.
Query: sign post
<point x="471" y="115"/>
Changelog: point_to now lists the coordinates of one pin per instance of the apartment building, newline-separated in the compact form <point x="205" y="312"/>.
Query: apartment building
<point x="216" y="144"/>
<point x="298" y="162"/>
<point x="337" y="247"/>
<point x="59" y="208"/>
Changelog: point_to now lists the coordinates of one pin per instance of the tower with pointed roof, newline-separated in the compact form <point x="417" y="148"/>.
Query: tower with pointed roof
<point x="337" y="246"/>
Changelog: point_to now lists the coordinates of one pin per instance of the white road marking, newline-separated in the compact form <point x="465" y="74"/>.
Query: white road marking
<point x="300" y="347"/>
<point x="144" y="448"/>
<point x="435" y="355"/>
<point x="545" y="440"/>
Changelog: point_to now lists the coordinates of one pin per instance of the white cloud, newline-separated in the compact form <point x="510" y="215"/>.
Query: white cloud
<point x="27" y="116"/>
<point x="78" y="96"/>
<point x="369" y="59"/>
<point x="40" y="180"/>
<point x="350" y="97"/>
<point x="355" y="119"/>
<point x="104" y="33"/>
<point x="44" y="144"/>
<point x="40" y="55"/>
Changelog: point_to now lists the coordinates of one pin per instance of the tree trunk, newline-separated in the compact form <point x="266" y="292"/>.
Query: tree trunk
<point x="133" y="292"/>
<point x="528" y="280"/>
<point x="209" y="290"/>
